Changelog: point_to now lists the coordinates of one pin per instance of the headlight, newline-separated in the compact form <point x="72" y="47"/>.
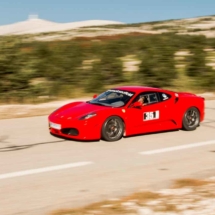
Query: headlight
<point x="88" y="116"/>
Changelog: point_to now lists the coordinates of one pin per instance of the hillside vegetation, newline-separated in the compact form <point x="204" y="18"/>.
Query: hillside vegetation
<point x="34" y="71"/>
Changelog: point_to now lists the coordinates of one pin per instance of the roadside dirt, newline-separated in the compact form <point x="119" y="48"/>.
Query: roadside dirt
<point x="29" y="110"/>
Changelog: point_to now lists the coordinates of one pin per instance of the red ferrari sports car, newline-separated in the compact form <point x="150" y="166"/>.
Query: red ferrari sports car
<point x="126" y="111"/>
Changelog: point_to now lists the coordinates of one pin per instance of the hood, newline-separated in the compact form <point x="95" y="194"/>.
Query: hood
<point x="77" y="109"/>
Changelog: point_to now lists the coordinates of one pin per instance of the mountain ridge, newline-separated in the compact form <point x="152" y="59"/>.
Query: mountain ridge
<point x="44" y="30"/>
<point x="34" y="25"/>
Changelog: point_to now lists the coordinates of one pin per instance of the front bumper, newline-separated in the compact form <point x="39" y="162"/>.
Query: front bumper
<point x="75" y="129"/>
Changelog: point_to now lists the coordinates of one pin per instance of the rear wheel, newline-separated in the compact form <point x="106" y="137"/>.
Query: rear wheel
<point x="113" y="129"/>
<point x="191" y="119"/>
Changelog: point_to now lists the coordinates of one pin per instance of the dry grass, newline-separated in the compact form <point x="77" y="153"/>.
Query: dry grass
<point x="181" y="183"/>
<point x="142" y="196"/>
<point x="165" y="207"/>
<point x="102" y="208"/>
<point x="154" y="201"/>
<point x="112" y="207"/>
<point x="126" y="205"/>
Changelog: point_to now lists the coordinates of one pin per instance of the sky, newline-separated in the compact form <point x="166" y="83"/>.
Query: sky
<point x="127" y="11"/>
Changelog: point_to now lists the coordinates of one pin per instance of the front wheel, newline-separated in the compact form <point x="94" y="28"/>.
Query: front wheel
<point x="191" y="119"/>
<point x="113" y="129"/>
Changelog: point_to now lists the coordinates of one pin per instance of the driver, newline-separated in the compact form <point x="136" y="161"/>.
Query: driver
<point x="142" y="100"/>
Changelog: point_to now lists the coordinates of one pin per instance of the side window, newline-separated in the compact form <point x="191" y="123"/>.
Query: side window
<point x="150" y="98"/>
<point x="153" y="98"/>
<point x="147" y="98"/>
<point x="164" y="96"/>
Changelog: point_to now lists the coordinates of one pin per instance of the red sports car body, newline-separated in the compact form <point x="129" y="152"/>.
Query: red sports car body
<point x="118" y="112"/>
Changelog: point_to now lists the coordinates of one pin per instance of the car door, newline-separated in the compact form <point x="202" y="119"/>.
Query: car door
<point x="151" y="113"/>
<point x="167" y="107"/>
<point x="152" y="116"/>
<point x="145" y="118"/>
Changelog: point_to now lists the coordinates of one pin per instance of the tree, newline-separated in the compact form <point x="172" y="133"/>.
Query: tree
<point x="196" y="63"/>
<point x="95" y="79"/>
<point x="112" y="70"/>
<point x="157" y="68"/>
<point x="14" y="75"/>
<point x="203" y="75"/>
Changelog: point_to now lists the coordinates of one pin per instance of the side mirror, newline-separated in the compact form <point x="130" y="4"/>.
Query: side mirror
<point x="137" y="104"/>
<point x="94" y="96"/>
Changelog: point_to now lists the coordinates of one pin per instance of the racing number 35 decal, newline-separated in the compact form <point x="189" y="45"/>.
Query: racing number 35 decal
<point x="150" y="115"/>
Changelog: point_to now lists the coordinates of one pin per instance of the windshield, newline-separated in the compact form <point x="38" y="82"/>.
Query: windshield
<point x="113" y="98"/>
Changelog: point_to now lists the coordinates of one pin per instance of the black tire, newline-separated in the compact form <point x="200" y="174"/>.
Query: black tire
<point x="112" y="129"/>
<point x="191" y="119"/>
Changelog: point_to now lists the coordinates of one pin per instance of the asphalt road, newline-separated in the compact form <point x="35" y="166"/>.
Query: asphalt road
<point x="40" y="173"/>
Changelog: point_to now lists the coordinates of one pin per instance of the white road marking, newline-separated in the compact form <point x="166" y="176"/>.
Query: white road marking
<point x="45" y="169"/>
<point x="176" y="148"/>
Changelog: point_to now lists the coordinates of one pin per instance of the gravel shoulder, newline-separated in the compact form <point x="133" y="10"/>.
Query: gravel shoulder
<point x="8" y="111"/>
